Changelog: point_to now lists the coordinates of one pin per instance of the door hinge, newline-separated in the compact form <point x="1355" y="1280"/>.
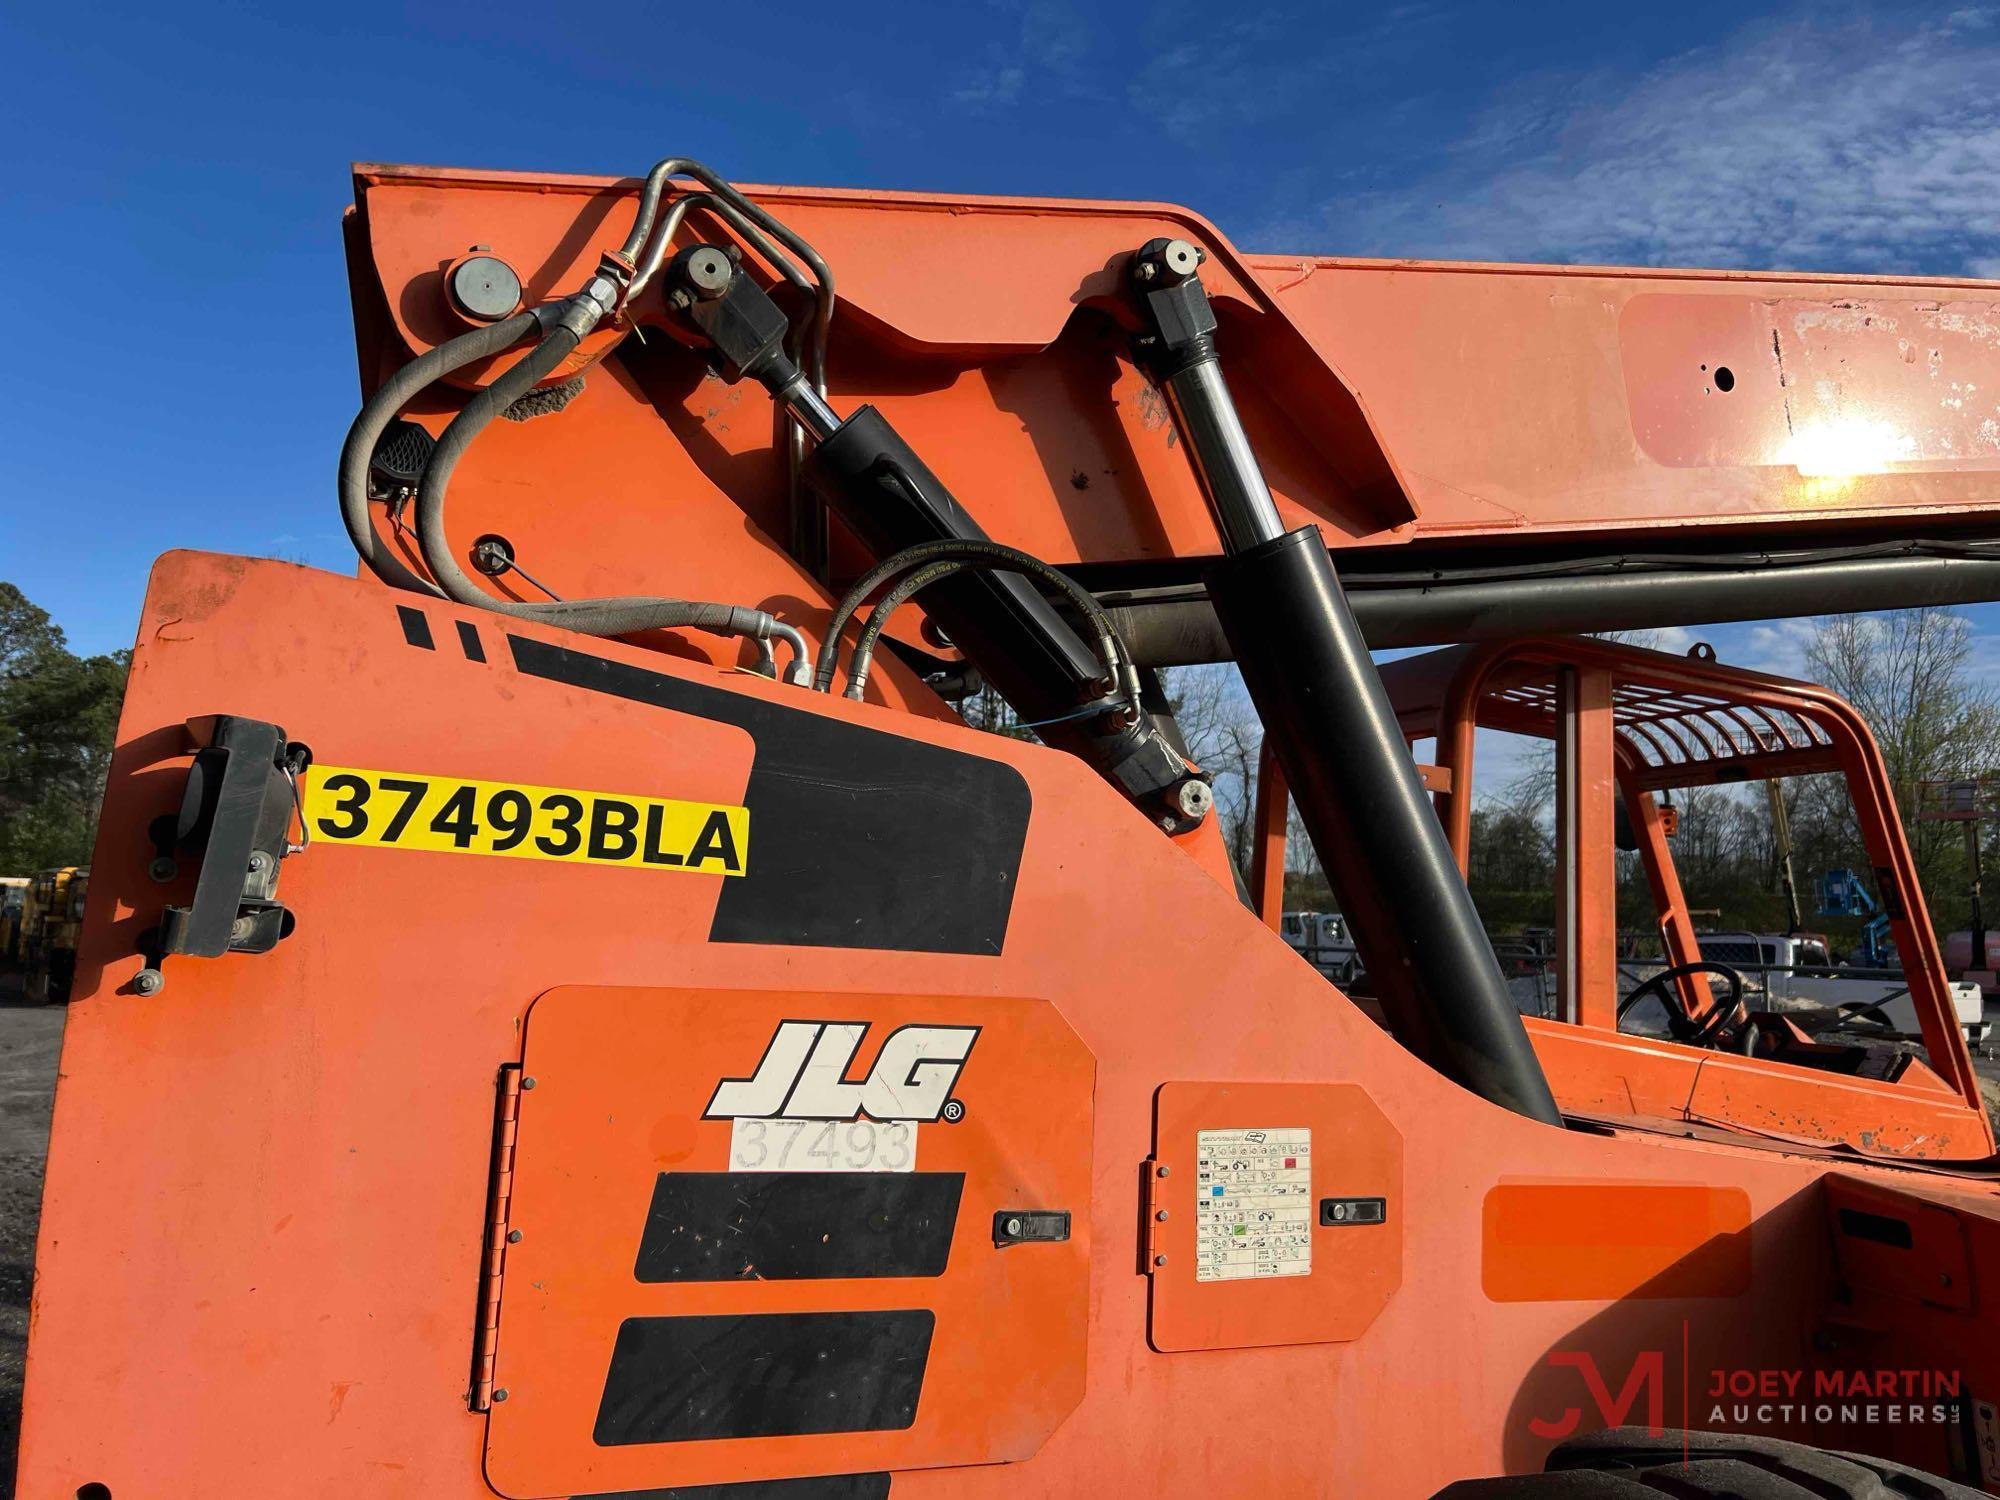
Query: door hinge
<point x="1156" y="1216"/>
<point x="493" y="1259"/>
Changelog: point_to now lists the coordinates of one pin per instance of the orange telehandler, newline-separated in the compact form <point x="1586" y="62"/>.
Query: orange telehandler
<point x="573" y="1011"/>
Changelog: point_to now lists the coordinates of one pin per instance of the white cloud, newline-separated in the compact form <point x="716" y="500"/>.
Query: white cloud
<point x="991" y="88"/>
<point x="1210" y="69"/>
<point x="1857" y="143"/>
<point x="1044" y="43"/>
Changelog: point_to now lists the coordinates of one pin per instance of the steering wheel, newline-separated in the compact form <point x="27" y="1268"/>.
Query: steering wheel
<point x="1709" y="1031"/>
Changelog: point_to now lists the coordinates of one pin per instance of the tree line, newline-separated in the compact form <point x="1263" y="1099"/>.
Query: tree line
<point x="58" y="715"/>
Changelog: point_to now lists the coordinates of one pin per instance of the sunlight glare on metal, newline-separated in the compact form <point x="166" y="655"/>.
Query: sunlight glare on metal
<point x="1846" y="447"/>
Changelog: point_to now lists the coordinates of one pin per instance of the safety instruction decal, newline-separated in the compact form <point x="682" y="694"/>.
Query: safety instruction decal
<point x="1253" y="1204"/>
<point x="410" y="810"/>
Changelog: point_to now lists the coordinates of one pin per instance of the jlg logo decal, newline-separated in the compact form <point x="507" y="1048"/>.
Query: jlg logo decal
<point x="803" y="1075"/>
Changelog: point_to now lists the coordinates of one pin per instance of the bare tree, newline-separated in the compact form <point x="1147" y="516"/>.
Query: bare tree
<point x="1910" y="674"/>
<point x="1224" y="738"/>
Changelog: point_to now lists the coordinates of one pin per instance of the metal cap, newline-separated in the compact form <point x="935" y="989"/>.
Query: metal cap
<point x="485" y="287"/>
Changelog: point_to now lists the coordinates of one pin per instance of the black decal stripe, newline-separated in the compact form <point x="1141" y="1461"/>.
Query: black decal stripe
<point x="468" y="639"/>
<point x="824" y="1487"/>
<point x="416" y="628"/>
<point x="795" y="1226"/>
<point x="858" y="839"/>
<point x="678" y="1380"/>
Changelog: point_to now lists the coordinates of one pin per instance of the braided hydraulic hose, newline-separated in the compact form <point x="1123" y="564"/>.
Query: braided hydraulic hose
<point x="613" y="616"/>
<point x="382" y="408"/>
<point x="924" y="563"/>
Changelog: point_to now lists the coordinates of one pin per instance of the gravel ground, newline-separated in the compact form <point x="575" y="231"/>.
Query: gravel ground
<point x="29" y="1039"/>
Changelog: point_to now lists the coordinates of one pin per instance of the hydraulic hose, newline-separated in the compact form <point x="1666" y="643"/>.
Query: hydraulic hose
<point x="384" y="407"/>
<point x="912" y="583"/>
<point x="970" y="550"/>
<point x="1108" y="645"/>
<point x="624" y="615"/>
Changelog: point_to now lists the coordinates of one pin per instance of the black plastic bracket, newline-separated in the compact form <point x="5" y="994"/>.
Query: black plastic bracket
<point x="236" y="818"/>
<point x="1030" y="1226"/>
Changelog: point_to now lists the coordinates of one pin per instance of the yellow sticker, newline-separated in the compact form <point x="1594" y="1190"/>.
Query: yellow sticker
<point x="406" y="810"/>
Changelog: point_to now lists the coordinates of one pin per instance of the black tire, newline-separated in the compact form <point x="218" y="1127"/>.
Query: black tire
<point x="1630" y="1463"/>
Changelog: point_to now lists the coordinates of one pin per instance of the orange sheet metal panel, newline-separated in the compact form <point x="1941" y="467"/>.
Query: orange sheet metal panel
<point x="1608" y="1076"/>
<point x="1582" y="1241"/>
<point x="1847" y="398"/>
<point x="1275" y="1214"/>
<point x="1895" y="1244"/>
<point x="757" y="1238"/>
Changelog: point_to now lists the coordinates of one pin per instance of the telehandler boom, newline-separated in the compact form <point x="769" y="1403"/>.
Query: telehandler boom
<point x="573" y="1011"/>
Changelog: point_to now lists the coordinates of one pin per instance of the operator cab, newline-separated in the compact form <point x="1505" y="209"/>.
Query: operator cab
<point x="1720" y="1028"/>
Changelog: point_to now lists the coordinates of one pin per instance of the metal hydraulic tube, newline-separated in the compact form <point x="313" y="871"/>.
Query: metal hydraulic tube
<point x="1323" y="705"/>
<point x="1179" y="628"/>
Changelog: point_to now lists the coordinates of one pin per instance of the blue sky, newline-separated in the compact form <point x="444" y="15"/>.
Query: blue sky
<point x="182" y="371"/>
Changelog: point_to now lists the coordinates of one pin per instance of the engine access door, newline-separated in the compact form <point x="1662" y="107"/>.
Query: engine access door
<point x="754" y="1235"/>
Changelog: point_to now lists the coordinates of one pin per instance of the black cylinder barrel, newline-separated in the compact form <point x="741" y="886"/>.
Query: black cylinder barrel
<point x="1323" y="704"/>
<point x="874" y="481"/>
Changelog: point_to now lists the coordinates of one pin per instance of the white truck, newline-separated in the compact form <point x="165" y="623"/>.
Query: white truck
<point x="1794" y="974"/>
<point x="1322" y="938"/>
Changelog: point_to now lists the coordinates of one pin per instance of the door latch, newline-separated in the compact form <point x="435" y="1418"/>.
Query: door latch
<point x="236" y="815"/>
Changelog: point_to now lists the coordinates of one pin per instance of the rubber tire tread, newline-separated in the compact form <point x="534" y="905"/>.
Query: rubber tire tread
<point x="1631" y="1463"/>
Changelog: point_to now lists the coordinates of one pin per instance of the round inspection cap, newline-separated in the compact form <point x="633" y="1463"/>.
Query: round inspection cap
<point x="485" y="287"/>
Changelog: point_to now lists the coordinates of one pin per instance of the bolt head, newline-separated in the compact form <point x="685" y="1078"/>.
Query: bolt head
<point x="148" y="982"/>
<point x="1193" y="798"/>
<point x="1160" y="1172"/>
<point x="1014" y="1226"/>
<point x="501" y="1394"/>
<point x="1159" y="1260"/>
<point x="513" y="1236"/>
<point x="527" y="1083"/>
<point x="1161" y="1216"/>
<point x="163" y="869"/>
